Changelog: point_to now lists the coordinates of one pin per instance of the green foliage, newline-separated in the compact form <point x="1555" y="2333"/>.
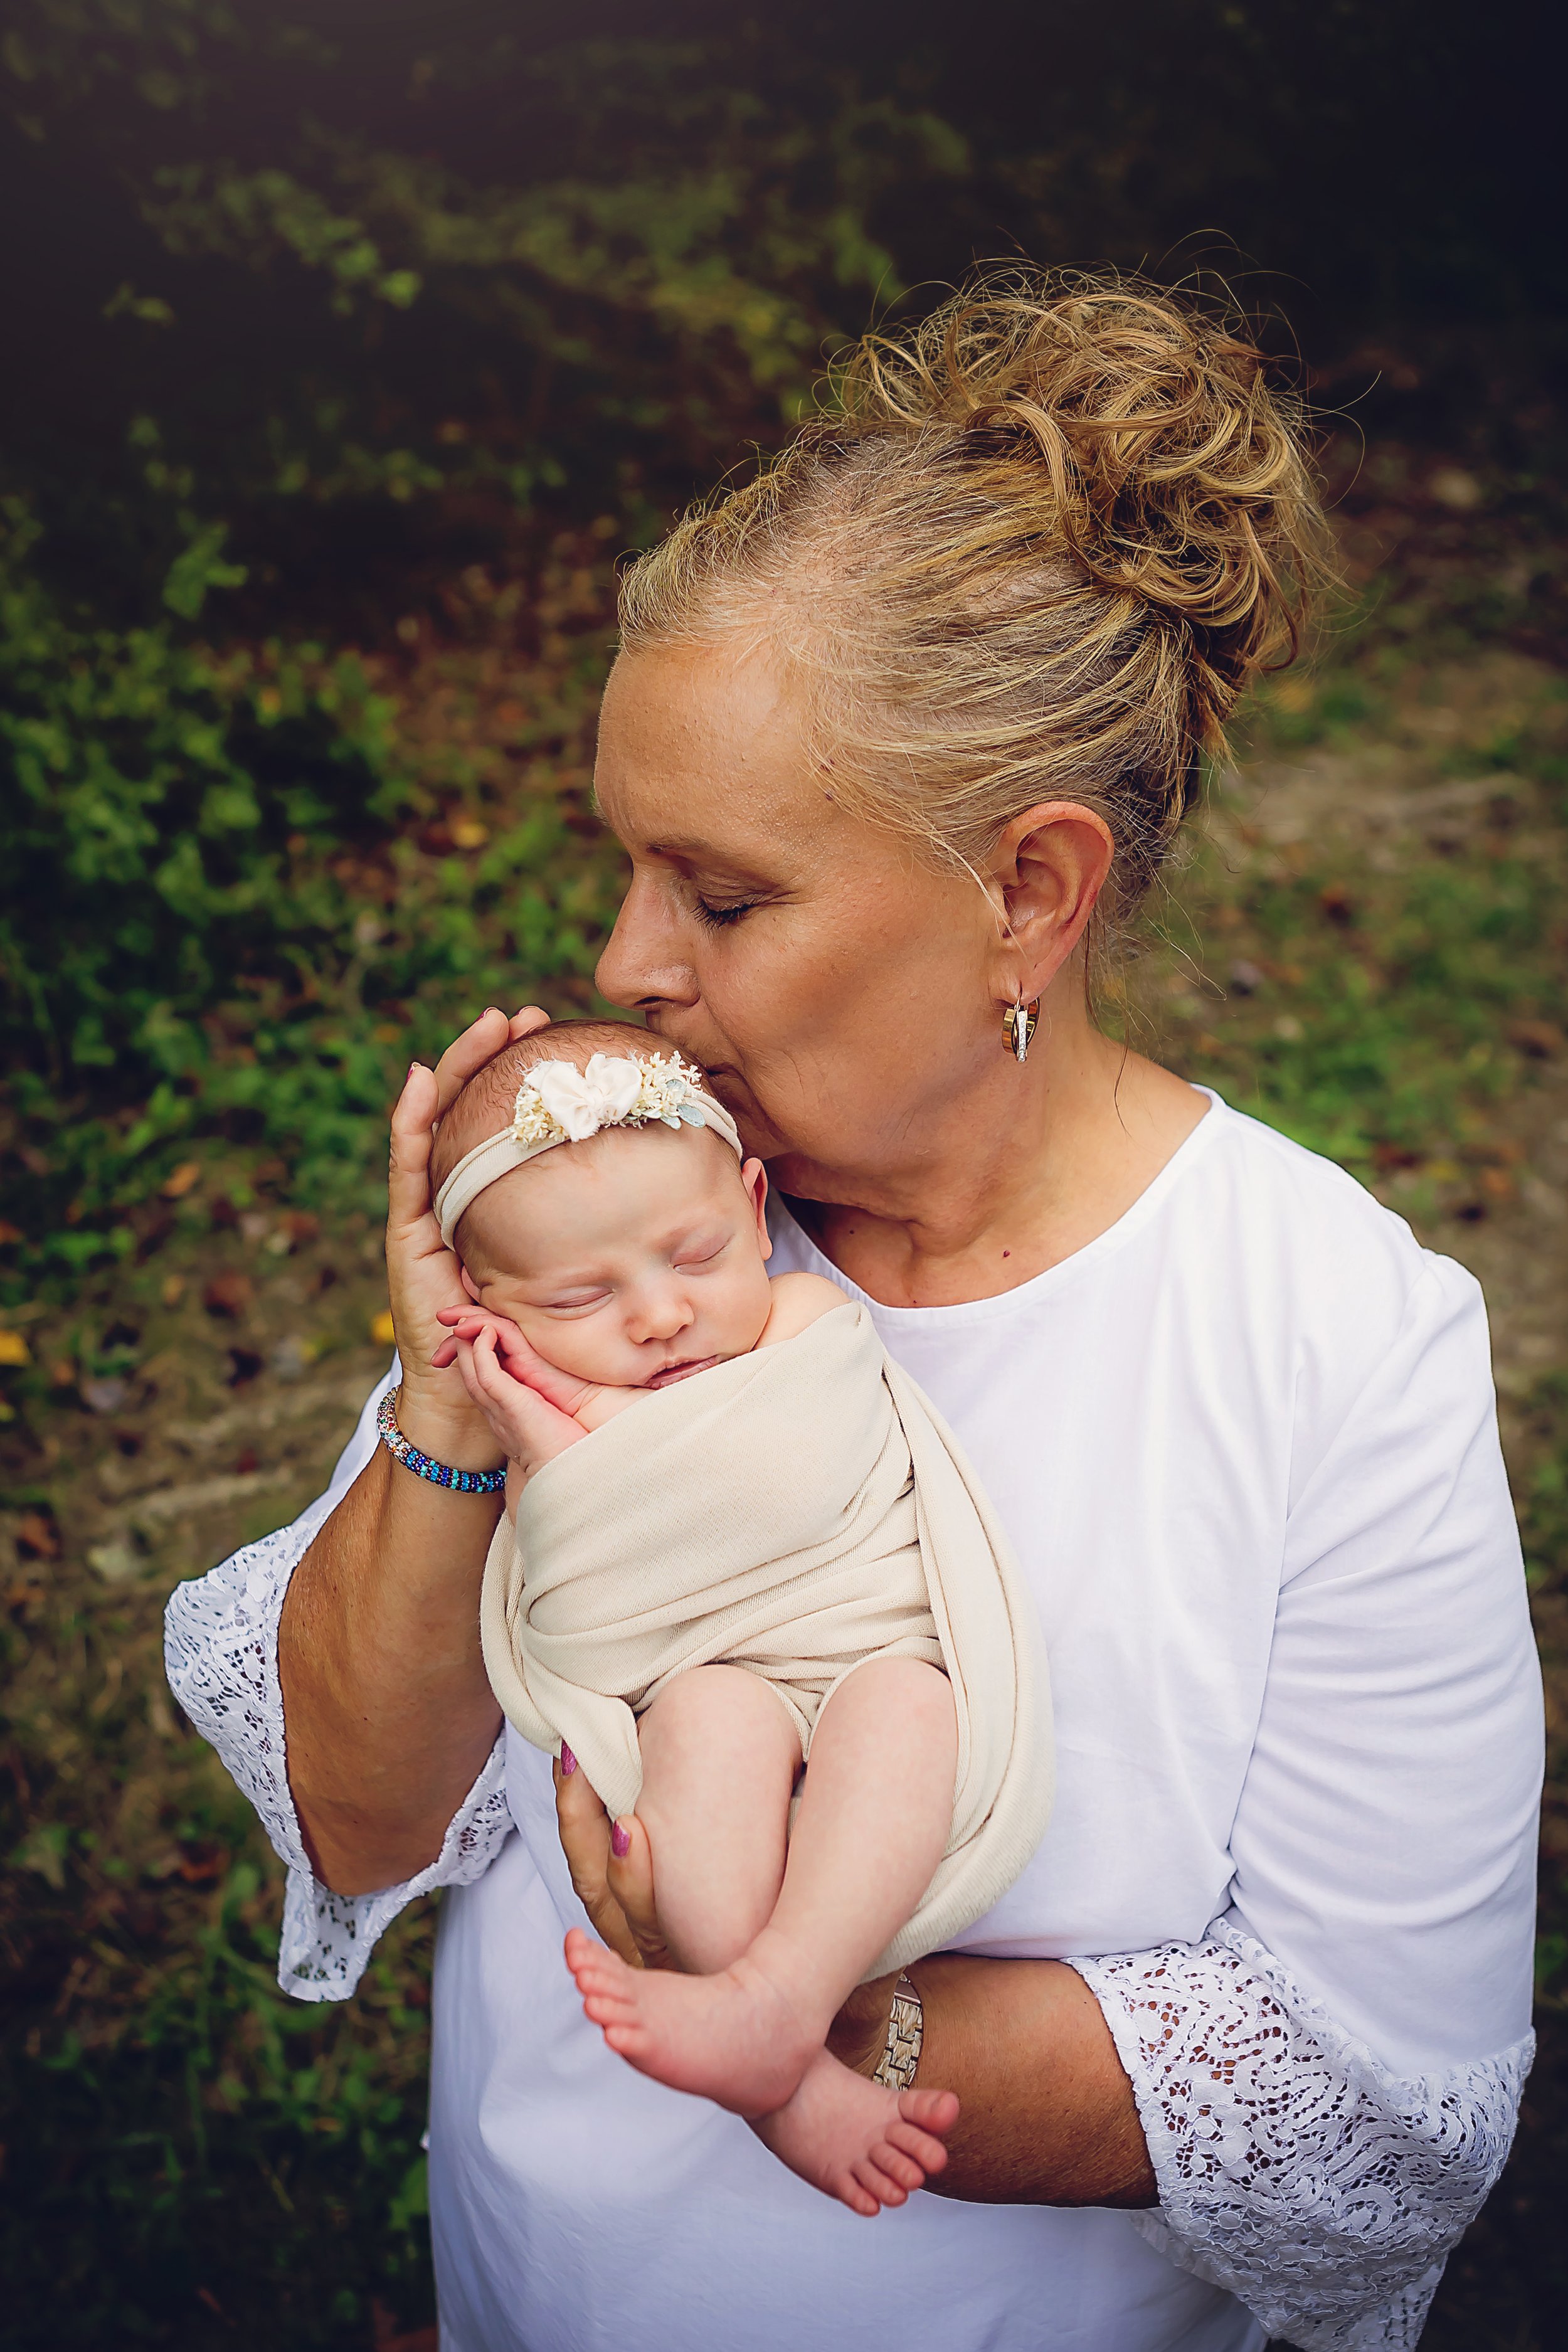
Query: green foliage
<point x="213" y="2148"/>
<point x="454" y="264"/>
<point x="219" y="916"/>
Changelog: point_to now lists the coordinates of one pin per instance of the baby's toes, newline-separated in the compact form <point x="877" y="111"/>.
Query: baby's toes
<point x="899" y="2165"/>
<point x="918" y="2147"/>
<point x="592" y="1964"/>
<point x="859" y="2198"/>
<point x="870" y="2177"/>
<point x="933" y="2111"/>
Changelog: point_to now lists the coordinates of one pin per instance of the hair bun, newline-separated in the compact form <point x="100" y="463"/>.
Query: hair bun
<point x="1161" y="456"/>
<point x="1030" y="549"/>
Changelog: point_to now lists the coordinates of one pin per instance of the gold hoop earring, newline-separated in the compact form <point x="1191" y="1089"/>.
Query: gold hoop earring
<point x="1019" y="1024"/>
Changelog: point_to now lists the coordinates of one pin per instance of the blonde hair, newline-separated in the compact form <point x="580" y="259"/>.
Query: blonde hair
<point x="1032" y="549"/>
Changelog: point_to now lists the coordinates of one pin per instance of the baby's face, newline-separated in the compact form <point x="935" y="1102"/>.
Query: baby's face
<point x="632" y="1260"/>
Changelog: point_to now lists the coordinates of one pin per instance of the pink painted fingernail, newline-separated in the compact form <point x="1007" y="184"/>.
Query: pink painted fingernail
<point x="620" y="1840"/>
<point x="568" y="1762"/>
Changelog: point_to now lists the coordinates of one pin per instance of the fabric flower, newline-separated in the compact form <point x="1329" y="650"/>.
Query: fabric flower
<point x="583" y="1101"/>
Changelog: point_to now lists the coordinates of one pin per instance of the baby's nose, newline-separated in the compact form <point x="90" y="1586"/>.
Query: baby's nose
<point x="662" y="1314"/>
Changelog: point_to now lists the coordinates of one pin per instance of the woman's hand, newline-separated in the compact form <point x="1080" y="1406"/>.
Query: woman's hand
<point x="616" y="1889"/>
<point x="611" y="1870"/>
<point x="434" y="1410"/>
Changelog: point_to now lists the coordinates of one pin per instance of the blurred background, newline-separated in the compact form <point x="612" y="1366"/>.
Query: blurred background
<point x="345" y="347"/>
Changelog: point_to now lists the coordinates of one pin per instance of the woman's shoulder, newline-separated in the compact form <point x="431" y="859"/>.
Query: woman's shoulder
<point x="1309" y="1236"/>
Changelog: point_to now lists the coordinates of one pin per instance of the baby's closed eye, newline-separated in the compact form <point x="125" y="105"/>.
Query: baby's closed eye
<point x="692" y="1256"/>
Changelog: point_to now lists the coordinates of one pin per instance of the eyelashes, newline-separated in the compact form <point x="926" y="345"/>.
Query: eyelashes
<point x="719" y="918"/>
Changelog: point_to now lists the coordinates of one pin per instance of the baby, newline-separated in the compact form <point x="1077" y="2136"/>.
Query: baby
<point x="728" y="1520"/>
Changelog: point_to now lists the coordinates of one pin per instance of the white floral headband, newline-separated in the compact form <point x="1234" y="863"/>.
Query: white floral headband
<point x="562" y="1103"/>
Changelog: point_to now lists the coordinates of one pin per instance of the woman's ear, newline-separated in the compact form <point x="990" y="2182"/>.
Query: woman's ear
<point x="754" y="1177"/>
<point x="1048" y="870"/>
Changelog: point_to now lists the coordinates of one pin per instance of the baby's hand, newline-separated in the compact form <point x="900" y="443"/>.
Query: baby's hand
<point x="519" y="1357"/>
<point x="527" y="1425"/>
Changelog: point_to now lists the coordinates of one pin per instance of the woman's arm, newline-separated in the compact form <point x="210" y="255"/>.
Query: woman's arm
<point x="220" y="1648"/>
<point x="1046" y="2115"/>
<point x="389" y="1714"/>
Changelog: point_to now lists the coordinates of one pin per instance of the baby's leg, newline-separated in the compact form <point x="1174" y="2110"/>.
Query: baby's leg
<point x="719" y="1756"/>
<point x="872" y="1826"/>
<point x="874" y="1821"/>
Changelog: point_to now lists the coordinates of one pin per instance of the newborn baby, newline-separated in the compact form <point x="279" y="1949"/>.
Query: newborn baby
<point x="736" y="1539"/>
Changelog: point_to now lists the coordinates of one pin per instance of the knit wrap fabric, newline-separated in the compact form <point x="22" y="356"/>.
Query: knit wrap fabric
<point x="795" y="1512"/>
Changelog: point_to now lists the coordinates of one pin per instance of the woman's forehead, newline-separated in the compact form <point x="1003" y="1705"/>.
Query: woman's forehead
<point x="699" y="746"/>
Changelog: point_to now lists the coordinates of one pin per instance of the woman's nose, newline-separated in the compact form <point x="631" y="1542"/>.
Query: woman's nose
<point x="643" y="964"/>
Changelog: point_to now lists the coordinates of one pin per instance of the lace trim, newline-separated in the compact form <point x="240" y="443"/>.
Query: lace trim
<point x="1294" y="2169"/>
<point x="220" y="1651"/>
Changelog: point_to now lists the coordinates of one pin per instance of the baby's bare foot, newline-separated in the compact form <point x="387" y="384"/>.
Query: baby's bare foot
<point x="865" y="2145"/>
<point x="733" y="2037"/>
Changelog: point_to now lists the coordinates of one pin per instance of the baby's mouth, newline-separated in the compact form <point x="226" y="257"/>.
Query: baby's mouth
<point x="668" y="1374"/>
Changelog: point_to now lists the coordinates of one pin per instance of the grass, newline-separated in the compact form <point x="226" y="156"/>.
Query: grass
<point x="1367" y="948"/>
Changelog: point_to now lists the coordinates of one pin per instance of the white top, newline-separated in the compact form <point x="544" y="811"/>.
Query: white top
<point x="1244" y="1444"/>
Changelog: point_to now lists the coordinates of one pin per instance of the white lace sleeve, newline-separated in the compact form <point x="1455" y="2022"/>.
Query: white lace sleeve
<point x="220" y="1649"/>
<point x="1293" y="2168"/>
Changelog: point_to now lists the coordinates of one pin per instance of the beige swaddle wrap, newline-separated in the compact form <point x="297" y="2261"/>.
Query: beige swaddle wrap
<point x="793" y="1511"/>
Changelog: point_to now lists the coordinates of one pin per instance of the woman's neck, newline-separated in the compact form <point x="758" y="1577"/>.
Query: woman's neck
<point x="1023" y="1171"/>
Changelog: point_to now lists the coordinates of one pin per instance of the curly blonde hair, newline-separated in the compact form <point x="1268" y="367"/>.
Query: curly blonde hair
<point x="1032" y="549"/>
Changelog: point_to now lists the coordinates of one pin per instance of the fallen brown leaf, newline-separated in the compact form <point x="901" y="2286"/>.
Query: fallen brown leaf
<point x="1540" y="1039"/>
<point x="228" y="1293"/>
<point x="185" y="1178"/>
<point x="37" y="1536"/>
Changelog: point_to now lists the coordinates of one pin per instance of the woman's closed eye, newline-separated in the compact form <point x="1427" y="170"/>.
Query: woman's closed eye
<point x="718" y="914"/>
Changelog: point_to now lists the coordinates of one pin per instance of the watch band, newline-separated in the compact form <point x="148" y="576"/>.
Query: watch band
<point x="906" y="2030"/>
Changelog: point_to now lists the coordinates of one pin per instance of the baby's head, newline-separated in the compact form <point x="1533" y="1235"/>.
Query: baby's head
<point x="630" y="1258"/>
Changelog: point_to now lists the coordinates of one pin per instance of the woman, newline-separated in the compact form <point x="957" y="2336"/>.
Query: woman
<point x="899" y="736"/>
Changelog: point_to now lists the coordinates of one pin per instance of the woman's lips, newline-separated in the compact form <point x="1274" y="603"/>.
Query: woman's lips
<point x="666" y="1376"/>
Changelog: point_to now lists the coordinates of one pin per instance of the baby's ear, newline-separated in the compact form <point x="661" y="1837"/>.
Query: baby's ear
<point x="754" y="1177"/>
<point x="470" y="1284"/>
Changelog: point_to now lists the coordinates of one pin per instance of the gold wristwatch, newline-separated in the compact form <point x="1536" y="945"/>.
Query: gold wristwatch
<point x="905" y="2029"/>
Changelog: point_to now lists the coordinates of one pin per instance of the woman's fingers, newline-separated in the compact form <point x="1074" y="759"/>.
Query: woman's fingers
<point x="478" y="1044"/>
<point x="584" y="1834"/>
<point x="427" y="1094"/>
<point x="408" y="1177"/>
<point x="629" y="1875"/>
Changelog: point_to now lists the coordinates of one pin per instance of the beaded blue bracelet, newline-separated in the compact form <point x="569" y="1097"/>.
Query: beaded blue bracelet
<point x="439" y="1474"/>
